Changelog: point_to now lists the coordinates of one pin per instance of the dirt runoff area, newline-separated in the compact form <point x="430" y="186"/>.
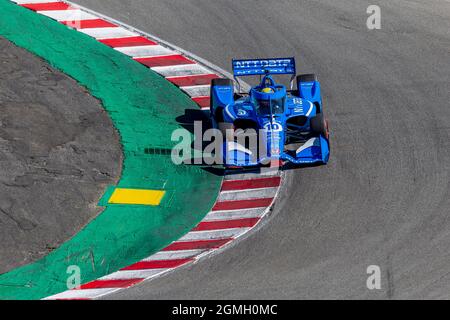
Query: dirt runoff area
<point x="58" y="153"/>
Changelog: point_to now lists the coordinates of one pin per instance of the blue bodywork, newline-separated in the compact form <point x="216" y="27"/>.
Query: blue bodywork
<point x="281" y="119"/>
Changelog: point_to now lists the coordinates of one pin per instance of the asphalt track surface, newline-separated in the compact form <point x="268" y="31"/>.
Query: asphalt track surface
<point x="384" y="197"/>
<point x="58" y="152"/>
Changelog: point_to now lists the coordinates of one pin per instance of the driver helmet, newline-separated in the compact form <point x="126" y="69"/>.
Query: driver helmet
<point x="267" y="90"/>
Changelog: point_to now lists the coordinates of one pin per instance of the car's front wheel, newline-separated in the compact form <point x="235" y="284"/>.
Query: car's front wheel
<point x="319" y="125"/>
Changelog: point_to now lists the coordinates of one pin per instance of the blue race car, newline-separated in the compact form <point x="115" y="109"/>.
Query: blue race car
<point x="270" y="122"/>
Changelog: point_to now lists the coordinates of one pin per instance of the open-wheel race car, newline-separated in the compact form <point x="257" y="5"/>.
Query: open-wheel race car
<point x="270" y="122"/>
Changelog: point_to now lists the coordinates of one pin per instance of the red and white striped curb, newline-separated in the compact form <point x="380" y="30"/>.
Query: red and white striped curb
<point x="184" y="71"/>
<point x="244" y="198"/>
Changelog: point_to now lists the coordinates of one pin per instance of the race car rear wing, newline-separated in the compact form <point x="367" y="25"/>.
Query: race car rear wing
<point x="255" y="67"/>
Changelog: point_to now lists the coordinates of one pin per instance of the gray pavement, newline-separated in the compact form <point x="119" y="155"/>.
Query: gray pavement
<point x="58" y="152"/>
<point x="383" y="199"/>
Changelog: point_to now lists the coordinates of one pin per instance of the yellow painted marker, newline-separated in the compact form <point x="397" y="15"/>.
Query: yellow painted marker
<point x="136" y="196"/>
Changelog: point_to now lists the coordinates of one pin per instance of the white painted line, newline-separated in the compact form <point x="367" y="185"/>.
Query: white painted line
<point x="310" y="109"/>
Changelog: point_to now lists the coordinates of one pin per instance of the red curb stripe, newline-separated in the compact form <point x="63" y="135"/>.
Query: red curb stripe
<point x="229" y="185"/>
<point x="242" y="204"/>
<point x="197" y="244"/>
<point x="203" y="102"/>
<point x="226" y="224"/>
<point x="102" y="284"/>
<point x="165" y="61"/>
<point x="197" y="80"/>
<point x="92" y="23"/>
<point x="46" y="6"/>
<point x="157" y="264"/>
<point x="127" y="42"/>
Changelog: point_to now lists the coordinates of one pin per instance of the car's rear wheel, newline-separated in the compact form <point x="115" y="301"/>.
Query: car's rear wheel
<point x="306" y="78"/>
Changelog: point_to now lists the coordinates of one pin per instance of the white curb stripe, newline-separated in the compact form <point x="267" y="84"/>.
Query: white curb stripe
<point x="169" y="255"/>
<point x="248" y="194"/>
<point x="197" y="91"/>
<point x="145" y="51"/>
<point x="181" y="70"/>
<point x="214" y="234"/>
<point x="134" y="274"/>
<point x="67" y="15"/>
<point x="234" y="214"/>
<point x="82" y="293"/>
<point x="108" y="32"/>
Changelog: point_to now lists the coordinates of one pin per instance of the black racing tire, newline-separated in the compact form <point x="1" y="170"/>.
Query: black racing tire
<point x="318" y="125"/>
<point x="306" y="78"/>
<point x="221" y="82"/>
